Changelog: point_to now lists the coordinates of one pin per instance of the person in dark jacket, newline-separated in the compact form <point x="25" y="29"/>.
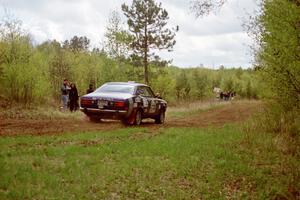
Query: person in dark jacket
<point x="91" y="89"/>
<point x="73" y="96"/>
<point x="221" y="95"/>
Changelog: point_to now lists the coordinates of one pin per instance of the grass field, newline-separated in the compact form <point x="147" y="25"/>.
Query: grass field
<point x="192" y="108"/>
<point x="140" y="163"/>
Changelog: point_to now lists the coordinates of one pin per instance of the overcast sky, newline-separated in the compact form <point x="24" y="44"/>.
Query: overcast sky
<point x="215" y="40"/>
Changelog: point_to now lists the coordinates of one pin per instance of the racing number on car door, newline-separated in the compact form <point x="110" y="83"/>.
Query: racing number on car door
<point x="152" y="106"/>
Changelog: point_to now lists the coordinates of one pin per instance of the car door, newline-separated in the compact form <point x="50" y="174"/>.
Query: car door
<point x="148" y="100"/>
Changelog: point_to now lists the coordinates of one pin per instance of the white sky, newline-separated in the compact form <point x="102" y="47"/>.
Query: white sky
<point x="215" y="40"/>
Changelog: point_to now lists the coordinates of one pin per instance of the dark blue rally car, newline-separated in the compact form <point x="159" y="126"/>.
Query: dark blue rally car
<point x="130" y="102"/>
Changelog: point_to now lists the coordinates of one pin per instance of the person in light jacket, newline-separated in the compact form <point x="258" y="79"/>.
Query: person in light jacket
<point x="65" y="94"/>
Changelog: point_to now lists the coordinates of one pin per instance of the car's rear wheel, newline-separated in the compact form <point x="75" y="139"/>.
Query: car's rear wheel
<point x="160" y="119"/>
<point x="134" y="119"/>
<point x="138" y="117"/>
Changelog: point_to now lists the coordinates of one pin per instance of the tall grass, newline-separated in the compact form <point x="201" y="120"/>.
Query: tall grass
<point x="275" y="119"/>
<point x="277" y="131"/>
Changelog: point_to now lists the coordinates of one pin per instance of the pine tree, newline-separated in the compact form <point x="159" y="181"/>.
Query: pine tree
<point x="147" y="22"/>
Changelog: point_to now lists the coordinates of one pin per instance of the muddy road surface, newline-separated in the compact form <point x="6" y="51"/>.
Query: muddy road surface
<point x="232" y="112"/>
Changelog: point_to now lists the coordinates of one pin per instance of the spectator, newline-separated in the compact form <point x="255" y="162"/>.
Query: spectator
<point x="91" y="89"/>
<point x="73" y="96"/>
<point x="227" y="96"/>
<point x="221" y="95"/>
<point x="65" y="94"/>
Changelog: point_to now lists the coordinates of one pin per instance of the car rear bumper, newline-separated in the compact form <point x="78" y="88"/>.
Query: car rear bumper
<point x="105" y="114"/>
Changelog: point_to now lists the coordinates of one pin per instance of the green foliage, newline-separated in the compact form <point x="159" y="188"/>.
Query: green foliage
<point x="277" y="31"/>
<point x="279" y="55"/>
<point x="59" y="68"/>
<point x="202" y="84"/>
<point x="32" y="74"/>
<point x="182" y="86"/>
<point x="77" y="44"/>
<point x="228" y="84"/>
<point x="164" y="85"/>
<point x="20" y="77"/>
<point x="117" y="39"/>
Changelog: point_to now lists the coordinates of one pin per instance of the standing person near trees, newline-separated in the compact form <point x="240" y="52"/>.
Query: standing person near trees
<point x="73" y="96"/>
<point x="65" y="94"/>
<point x="221" y="95"/>
<point x="91" y="89"/>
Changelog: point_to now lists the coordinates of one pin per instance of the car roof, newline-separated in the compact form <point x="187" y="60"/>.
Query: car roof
<point x="126" y="83"/>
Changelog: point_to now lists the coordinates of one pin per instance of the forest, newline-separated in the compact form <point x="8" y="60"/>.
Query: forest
<point x="32" y="74"/>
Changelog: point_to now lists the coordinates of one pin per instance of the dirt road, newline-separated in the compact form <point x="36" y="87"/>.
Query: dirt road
<point x="230" y="113"/>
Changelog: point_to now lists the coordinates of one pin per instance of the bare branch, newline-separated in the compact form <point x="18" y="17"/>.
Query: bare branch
<point x="205" y="7"/>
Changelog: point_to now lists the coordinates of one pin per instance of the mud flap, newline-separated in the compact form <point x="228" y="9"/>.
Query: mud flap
<point x="131" y="119"/>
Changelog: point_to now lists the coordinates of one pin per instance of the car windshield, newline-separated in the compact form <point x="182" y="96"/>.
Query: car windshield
<point x="116" y="88"/>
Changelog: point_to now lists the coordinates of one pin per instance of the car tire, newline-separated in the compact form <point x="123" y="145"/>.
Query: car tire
<point x="138" y="118"/>
<point x="160" y="119"/>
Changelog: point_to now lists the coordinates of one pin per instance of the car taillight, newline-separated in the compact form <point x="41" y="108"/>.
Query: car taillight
<point x="86" y="102"/>
<point x="120" y="104"/>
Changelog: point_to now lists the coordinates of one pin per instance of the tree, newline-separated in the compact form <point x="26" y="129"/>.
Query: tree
<point x="11" y="28"/>
<point x="248" y="90"/>
<point x="205" y="7"/>
<point x="158" y="62"/>
<point x="163" y="84"/>
<point x="59" y="66"/>
<point x="278" y="55"/>
<point x="182" y="85"/>
<point x="77" y="44"/>
<point x="15" y="58"/>
<point x="117" y="43"/>
<point x="228" y="84"/>
<point x="201" y="83"/>
<point x="3" y="47"/>
<point x="147" y="22"/>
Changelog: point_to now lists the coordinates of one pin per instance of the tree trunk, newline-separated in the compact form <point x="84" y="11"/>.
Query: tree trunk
<point x="146" y="74"/>
<point x="146" y="68"/>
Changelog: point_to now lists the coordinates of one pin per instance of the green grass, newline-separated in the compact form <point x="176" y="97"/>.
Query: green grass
<point x="194" y="108"/>
<point x="137" y="163"/>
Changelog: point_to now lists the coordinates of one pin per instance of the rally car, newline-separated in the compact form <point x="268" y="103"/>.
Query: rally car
<point x="126" y="101"/>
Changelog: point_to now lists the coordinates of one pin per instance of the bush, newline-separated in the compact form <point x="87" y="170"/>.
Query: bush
<point x="274" y="119"/>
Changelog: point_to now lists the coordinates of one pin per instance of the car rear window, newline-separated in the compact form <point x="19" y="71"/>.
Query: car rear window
<point x="116" y="88"/>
